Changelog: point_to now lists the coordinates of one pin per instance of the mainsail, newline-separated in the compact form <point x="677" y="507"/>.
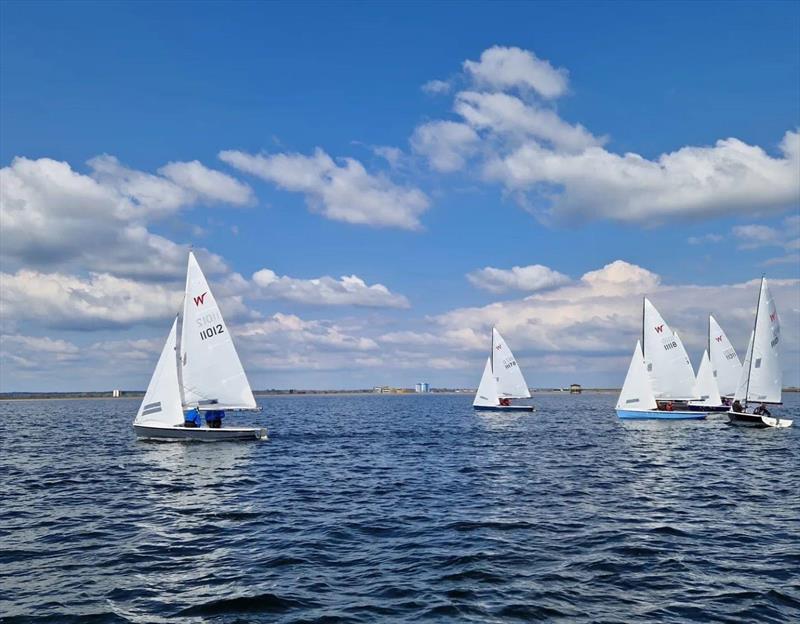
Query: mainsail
<point x="667" y="364"/>
<point x="637" y="394"/>
<point x="510" y="382"/>
<point x="162" y="401"/>
<point x="724" y="361"/>
<point x="705" y="387"/>
<point x="761" y="378"/>
<point x="211" y="371"/>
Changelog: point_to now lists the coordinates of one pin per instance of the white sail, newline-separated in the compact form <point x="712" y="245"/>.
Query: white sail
<point x="510" y="382"/>
<point x="741" y="387"/>
<point x="211" y="369"/>
<point x="162" y="401"/>
<point x="666" y="361"/>
<point x="724" y="362"/>
<point x="637" y="394"/>
<point x="765" y="368"/>
<point x="487" y="390"/>
<point x="705" y="387"/>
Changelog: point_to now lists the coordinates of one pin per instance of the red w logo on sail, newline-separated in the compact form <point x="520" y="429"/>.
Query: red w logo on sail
<point x="498" y="347"/>
<point x="719" y="338"/>
<point x="659" y="329"/>
<point x="199" y="300"/>
<point x="773" y="316"/>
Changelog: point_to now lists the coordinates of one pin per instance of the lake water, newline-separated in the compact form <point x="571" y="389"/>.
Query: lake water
<point x="398" y="508"/>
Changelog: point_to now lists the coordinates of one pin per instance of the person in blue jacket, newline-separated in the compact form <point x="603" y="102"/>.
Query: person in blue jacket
<point x="192" y="418"/>
<point x="214" y="418"/>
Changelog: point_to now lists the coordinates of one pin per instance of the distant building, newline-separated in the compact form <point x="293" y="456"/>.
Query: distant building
<point x="575" y="389"/>
<point x="115" y="394"/>
<point x="422" y="387"/>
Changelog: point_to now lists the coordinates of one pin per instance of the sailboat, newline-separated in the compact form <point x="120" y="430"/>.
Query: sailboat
<point x="761" y="378"/>
<point x="724" y="360"/>
<point x="502" y="380"/>
<point x="198" y="369"/>
<point x="660" y="374"/>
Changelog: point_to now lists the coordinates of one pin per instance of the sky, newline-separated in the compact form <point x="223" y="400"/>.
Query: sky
<point x="370" y="187"/>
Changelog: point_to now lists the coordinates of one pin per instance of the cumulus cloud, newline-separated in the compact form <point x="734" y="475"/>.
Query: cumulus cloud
<point x="503" y="68"/>
<point x="342" y="192"/>
<point x="207" y="183"/>
<point x="561" y="171"/>
<point x="53" y="216"/>
<point x="446" y="144"/>
<point x="528" y="278"/>
<point x="436" y="87"/>
<point x="347" y="290"/>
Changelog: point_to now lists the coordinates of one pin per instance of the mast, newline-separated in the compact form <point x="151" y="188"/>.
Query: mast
<point x="491" y="351"/>
<point x="753" y="350"/>
<point x="643" y="300"/>
<point x="708" y="338"/>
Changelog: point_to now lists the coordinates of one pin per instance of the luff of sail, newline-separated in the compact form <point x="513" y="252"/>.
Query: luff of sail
<point x="162" y="401"/>
<point x="666" y="361"/>
<point x="211" y="370"/>
<point x="486" y="396"/>
<point x="762" y="377"/>
<point x="636" y="393"/>
<point x="511" y="383"/>
<point x="724" y="362"/>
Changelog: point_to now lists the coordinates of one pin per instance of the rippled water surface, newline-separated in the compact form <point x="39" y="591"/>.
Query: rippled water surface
<point x="398" y="508"/>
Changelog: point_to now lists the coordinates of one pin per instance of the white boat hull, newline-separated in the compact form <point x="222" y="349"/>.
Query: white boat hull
<point x="760" y="422"/>
<point x="630" y="414"/>
<point x="199" y="434"/>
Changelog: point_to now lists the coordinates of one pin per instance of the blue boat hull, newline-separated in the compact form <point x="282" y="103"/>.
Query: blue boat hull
<point x="659" y="415"/>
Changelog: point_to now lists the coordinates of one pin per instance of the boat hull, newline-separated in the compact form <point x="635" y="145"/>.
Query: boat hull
<point x="709" y="408"/>
<point x="199" y="434"/>
<point x="659" y="415"/>
<point x="504" y="408"/>
<point x="739" y="419"/>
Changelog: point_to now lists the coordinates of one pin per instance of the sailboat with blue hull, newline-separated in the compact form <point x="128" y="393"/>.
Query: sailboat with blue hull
<point x="660" y="374"/>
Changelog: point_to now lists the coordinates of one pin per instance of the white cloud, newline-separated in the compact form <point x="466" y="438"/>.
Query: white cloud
<point x="446" y="144"/>
<point x="508" y="115"/>
<point x="705" y="238"/>
<point x="347" y="290"/>
<point x="528" y="278"/>
<point x="207" y="183"/>
<point x="503" y="68"/>
<point x="345" y="192"/>
<point x="728" y="178"/>
<point x="53" y="217"/>
<point x="436" y="87"/>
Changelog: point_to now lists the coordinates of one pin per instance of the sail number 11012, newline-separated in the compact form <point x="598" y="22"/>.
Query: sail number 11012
<point x="208" y="332"/>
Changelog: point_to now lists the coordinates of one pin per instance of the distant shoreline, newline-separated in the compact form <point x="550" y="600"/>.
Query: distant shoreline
<point x="74" y="396"/>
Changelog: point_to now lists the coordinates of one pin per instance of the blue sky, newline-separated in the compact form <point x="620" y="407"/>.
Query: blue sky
<point x="514" y="158"/>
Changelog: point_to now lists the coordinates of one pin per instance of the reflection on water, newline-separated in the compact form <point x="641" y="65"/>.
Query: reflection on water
<point x="386" y="508"/>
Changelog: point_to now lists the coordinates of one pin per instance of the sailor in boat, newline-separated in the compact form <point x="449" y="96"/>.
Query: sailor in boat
<point x="214" y="418"/>
<point x="505" y="402"/>
<point x="762" y="410"/>
<point x="192" y="418"/>
<point x="737" y="407"/>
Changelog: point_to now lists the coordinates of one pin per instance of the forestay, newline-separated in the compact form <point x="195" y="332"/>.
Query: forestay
<point x="705" y="386"/>
<point x="667" y="364"/>
<point x="162" y="401"/>
<point x="724" y="362"/>
<point x="510" y="382"/>
<point x="637" y="393"/>
<point x="487" y="390"/>
<point x="761" y="375"/>
<point x="211" y="370"/>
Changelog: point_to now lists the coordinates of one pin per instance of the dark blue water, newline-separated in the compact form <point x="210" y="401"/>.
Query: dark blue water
<point x="398" y="508"/>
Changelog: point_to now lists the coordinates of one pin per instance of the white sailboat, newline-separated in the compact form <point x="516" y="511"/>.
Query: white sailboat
<point x="761" y="378"/>
<point x="502" y="380"/>
<point x="667" y="370"/>
<point x="705" y="387"/>
<point x="199" y="369"/>
<point x="724" y="360"/>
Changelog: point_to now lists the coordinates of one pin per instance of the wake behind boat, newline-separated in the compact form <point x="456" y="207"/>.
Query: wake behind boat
<point x="198" y="374"/>
<point x="761" y="379"/>
<point x="502" y="381"/>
